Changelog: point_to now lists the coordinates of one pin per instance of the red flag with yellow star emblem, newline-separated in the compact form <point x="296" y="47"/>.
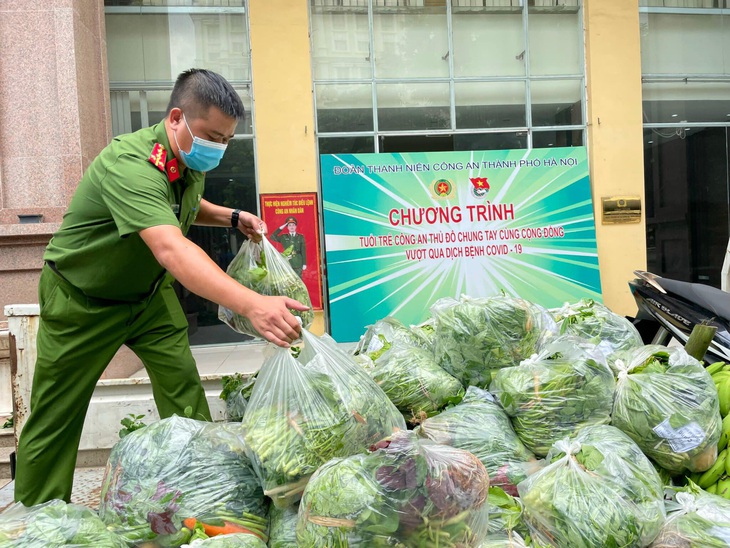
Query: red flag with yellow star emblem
<point x="480" y="183"/>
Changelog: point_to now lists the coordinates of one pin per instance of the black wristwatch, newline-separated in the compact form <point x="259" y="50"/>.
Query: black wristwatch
<point x="234" y="218"/>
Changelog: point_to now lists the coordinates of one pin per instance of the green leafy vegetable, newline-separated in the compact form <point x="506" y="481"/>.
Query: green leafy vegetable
<point x="179" y="468"/>
<point x="235" y="540"/>
<point x="236" y="391"/>
<point x="668" y="404"/>
<point x="407" y="493"/>
<point x="594" y="322"/>
<point x="414" y="382"/>
<point x="695" y="518"/>
<point x="308" y="409"/>
<point x="381" y="335"/>
<point x="556" y="393"/>
<point x="476" y="337"/>
<point x="260" y="267"/>
<point x="54" y="523"/>
<point x="479" y="425"/>
<point x="599" y="490"/>
<point x="283" y="526"/>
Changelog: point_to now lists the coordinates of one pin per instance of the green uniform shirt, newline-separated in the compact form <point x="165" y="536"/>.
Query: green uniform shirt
<point x="98" y="248"/>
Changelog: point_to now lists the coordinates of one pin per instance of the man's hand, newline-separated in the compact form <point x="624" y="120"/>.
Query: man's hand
<point x="250" y="225"/>
<point x="272" y="318"/>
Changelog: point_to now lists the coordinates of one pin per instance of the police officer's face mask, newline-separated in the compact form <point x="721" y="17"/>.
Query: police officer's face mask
<point x="204" y="155"/>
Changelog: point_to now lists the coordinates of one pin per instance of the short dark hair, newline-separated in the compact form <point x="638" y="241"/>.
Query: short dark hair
<point x="196" y="90"/>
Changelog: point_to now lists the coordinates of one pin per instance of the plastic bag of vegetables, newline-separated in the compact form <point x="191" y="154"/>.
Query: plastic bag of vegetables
<point x="260" y="267"/>
<point x="234" y="540"/>
<point x="479" y="425"/>
<point x="283" y="526"/>
<point x="55" y="523"/>
<point x="414" y="382"/>
<point x="695" y="518"/>
<point x="504" y="540"/>
<point x="237" y="389"/>
<point x="596" y="323"/>
<point x="408" y="492"/>
<point x="598" y="490"/>
<point x="668" y="404"/>
<point x="556" y="393"/>
<point x="308" y="409"/>
<point x="382" y="334"/>
<point x="477" y="336"/>
<point x="163" y="480"/>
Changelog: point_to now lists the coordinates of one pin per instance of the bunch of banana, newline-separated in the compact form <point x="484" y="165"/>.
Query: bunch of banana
<point x="717" y="479"/>
<point x="720" y="373"/>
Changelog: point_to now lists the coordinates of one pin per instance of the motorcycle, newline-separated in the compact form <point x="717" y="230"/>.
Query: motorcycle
<point x="669" y="309"/>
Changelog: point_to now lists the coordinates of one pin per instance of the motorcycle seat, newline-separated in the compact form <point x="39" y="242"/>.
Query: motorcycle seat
<point x="708" y="297"/>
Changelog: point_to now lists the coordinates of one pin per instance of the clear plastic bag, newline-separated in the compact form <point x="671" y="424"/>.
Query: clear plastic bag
<point x="260" y="267"/>
<point x="309" y="409"/>
<point x="414" y="382"/>
<point x="695" y="518"/>
<point x="236" y="391"/>
<point x="178" y="469"/>
<point x="668" y="404"/>
<point x="408" y="492"/>
<point x="556" y="393"/>
<point x="503" y="540"/>
<point x="382" y="334"/>
<point x="55" y="523"/>
<point x="596" y="323"/>
<point x="599" y="490"/>
<point x="283" y="527"/>
<point x="235" y="540"/>
<point x="479" y="425"/>
<point x="477" y="336"/>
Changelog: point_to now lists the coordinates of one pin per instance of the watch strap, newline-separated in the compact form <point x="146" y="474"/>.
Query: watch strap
<point x="234" y="217"/>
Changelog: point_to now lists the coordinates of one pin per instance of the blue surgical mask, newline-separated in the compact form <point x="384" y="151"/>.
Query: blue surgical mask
<point x="204" y="155"/>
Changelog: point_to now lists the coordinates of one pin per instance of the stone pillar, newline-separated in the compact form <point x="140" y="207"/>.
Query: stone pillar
<point x="615" y="141"/>
<point x="54" y="119"/>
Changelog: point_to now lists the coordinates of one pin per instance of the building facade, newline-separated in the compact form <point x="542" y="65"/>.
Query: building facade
<point x="642" y="84"/>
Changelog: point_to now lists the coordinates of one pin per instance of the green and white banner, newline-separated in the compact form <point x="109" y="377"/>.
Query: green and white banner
<point x="402" y="230"/>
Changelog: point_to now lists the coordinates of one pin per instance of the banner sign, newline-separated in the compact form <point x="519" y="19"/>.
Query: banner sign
<point x="293" y="225"/>
<point x="402" y="230"/>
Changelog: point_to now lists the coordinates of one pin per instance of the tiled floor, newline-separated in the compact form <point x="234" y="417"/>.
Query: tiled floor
<point x="226" y="359"/>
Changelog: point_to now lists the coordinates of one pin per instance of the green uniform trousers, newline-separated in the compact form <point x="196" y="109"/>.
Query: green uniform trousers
<point x="77" y="338"/>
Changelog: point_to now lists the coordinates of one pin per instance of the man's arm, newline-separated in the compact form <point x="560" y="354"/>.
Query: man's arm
<point x="211" y="214"/>
<point x="192" y="267"/>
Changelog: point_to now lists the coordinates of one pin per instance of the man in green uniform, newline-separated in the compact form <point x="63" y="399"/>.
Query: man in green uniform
<point x="108" y="278"/>
<point x="293" y="244"/>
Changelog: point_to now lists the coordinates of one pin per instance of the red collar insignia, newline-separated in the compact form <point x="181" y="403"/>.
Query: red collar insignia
<point x="173" y="171"/>
<point x="158" y="157"/>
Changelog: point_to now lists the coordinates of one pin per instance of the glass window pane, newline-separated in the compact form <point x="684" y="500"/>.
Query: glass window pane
<point x="490" y="104"/>
<point x="680" y="101"/>
<point x="411" y="44"/>
<point x="548" y="139"/>
<point x="555" y="43"/>
<point x="413" y="106"/>
<point x="556" y="102"/>
<point x="340" y="44"/>
<point x="231" y="184"/>
<point x="490" y="141"/>
<point x="344" y="107"/>
<point x="686" y="197"/>
<point x="346" y="145"/>
<point x="132" y="110"/>
<point x="488" y="44"/>
<point x="149" y="46"/>
<point x="673" y="43"/>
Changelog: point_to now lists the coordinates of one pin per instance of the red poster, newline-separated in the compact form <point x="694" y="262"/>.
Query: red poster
<point x="293" y="226"/>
